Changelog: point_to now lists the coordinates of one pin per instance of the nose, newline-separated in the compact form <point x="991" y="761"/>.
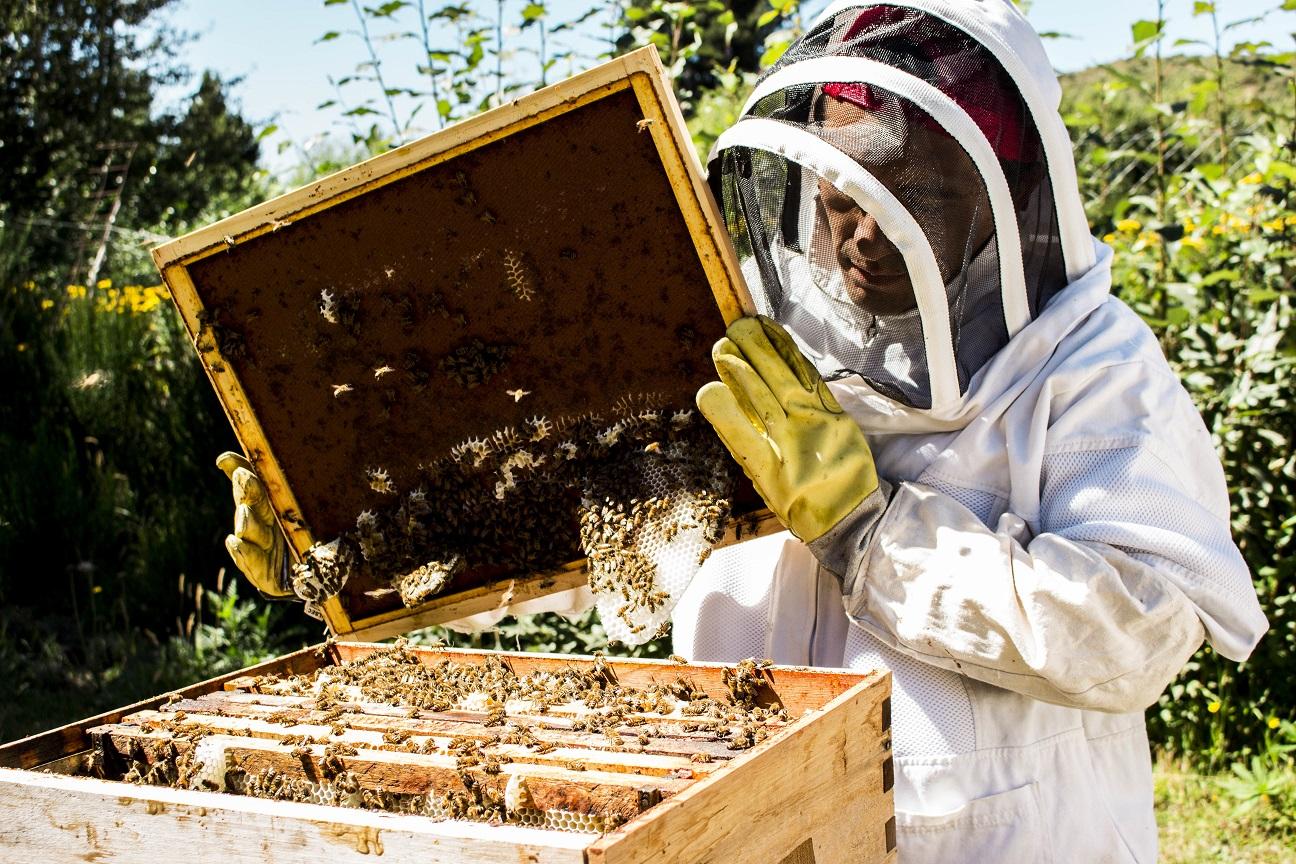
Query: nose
<point x="868" y="240"/>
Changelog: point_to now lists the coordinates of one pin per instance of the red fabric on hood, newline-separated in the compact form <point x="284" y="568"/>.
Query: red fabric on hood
<point x="995" y="106"/>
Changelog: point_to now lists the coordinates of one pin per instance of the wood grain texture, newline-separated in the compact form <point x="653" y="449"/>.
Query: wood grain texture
<point x="74" y="820"/>
<point x="825" y="780"/>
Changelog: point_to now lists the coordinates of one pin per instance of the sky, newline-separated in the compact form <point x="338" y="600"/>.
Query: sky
<point x="273" y="48"/>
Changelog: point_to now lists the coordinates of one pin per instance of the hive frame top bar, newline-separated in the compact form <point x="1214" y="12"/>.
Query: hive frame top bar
<point x="641" y="73"/>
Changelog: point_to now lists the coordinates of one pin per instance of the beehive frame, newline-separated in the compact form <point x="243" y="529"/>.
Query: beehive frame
<point x="639" y="73"/>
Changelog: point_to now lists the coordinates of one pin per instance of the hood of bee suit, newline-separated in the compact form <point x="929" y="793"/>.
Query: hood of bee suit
<point x="901" y="192"/>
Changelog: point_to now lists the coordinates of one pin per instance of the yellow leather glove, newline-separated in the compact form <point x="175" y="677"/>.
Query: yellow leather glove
<point x="257" y="545"/>
<point x="807" y="458"/>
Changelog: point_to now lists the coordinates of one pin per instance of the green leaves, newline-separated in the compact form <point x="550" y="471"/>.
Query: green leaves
<point x="1146" y="34"/>
<point x="386" y="10"/>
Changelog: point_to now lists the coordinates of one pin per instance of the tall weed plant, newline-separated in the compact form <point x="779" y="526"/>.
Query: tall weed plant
<point x="111" y="512"/>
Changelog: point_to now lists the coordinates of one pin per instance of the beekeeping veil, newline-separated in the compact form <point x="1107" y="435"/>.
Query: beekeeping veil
<point x="889" y="189"/>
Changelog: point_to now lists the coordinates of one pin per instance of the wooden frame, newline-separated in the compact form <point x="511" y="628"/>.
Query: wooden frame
<point x="640" y="72"/>
<point x="818" y="790"/>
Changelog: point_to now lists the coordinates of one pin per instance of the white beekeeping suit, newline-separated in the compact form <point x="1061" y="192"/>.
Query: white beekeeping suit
<point x="1049" y="541"/>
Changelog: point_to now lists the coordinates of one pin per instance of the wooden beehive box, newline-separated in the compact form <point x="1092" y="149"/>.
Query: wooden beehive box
<point x="817" y="790"/>
<point x="557" y="257"/>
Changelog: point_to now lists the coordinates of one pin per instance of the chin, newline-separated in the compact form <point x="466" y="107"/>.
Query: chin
<point x="888" y="296"/>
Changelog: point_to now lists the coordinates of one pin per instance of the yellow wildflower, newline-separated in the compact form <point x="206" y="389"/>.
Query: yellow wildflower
<point x="1291" y="220"/>
<point x="1129" y="226"/>
<point x="1213" y="707"/>
<point x="1253" y="179"/>
<point x="47" y="303"/>
<point x="1109" y="238"/>
<point x="1190" y="226"/>
<point x="1273" y="225"/>
<point x="1273" y="723"/>
<point x="1150" y="238"/>
<point x="22" y="346"/>
<point x="1218" y="230"/>
<point x="76" y="292"/>
<point x="104" y="283"/>
<point x="1197" y="244"/>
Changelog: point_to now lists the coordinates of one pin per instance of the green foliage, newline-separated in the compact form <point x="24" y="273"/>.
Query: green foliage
<point x="109" y="495"/>
<point x="548" y="632"/>
<point x="1199" y="819"/>
<point x="52" y="682"/>
<point x="1189" y="171"/>
<point x="83" y="149"/>
<point x="702" y="42"/>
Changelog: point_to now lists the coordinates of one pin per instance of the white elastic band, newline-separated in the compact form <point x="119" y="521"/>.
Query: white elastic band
<point x="1073" y="225"/>
<point x="897" y="223"/>
<point x="960" y="126"/>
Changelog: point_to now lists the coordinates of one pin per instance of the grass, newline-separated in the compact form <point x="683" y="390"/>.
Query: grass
<point x="1199" y="824"/>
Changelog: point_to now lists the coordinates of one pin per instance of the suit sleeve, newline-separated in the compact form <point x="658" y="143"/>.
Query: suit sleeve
<point x="1132" y="565"/>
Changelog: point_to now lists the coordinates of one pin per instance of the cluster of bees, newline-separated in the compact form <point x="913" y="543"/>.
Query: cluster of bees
<point x="614" y="716"/>
<point x="534" y="497"/>
<point x="641" y="506"/>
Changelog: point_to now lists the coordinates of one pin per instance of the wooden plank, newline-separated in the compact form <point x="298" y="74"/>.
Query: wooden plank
<point x="797" y="688"/>
<point x="661" y="743"/>
<point x="73" y="820"/>
<point x="825" y="782"/>
<point x="45" y="747"/>
<point x="602" y="793"/>
<point x="670" y="134"/>
<point x="585" y="749"/>
<point x="556" y="716"/>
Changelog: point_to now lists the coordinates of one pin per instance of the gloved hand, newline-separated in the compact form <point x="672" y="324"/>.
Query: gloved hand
<point x="807" y="458"/>
<point x="257" y="545"/>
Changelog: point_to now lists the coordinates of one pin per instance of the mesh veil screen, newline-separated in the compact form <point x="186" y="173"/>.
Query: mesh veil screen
<point x="823" y="265"/>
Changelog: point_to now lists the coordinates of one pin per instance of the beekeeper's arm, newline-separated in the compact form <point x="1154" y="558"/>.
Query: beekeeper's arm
<point x="1099" y="613"/>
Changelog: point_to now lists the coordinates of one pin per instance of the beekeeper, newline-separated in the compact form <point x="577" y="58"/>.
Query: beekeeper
<point x="1003" y="477"/>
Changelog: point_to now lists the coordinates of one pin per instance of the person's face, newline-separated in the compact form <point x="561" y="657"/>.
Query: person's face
<point x="932" y="176"/>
